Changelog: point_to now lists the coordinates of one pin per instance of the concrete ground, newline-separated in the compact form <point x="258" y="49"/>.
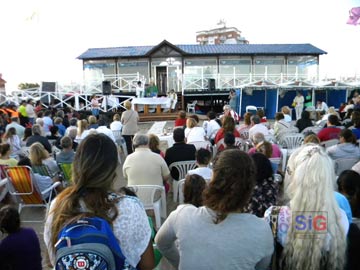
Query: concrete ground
<point x="34" y="217"/>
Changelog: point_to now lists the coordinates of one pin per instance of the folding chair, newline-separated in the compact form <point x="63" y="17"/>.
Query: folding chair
<point x="22" y="186"/>
<point x="182" y="167"/>
<point x="3" y="182"/>
<point x="42" y="170"/>
<point x="146" y="194"/>
<point x="66" y="171"/>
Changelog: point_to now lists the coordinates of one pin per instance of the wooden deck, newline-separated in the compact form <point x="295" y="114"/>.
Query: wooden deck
<point x="157" y="117"/>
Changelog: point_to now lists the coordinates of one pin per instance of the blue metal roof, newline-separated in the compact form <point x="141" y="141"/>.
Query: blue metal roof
<point x="196" y="50"/>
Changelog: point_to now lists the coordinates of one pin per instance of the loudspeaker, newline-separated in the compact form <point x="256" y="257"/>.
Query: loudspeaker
<point x="106" y="88"/>
<point x="211" y="85"/>
<point x="48" y="87"/>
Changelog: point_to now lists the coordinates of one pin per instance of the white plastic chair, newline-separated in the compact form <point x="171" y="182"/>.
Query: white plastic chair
<point x="329" y="143"/>
<point x="202" y="144"/>
<point x="343" y="164"/>
<point x="250" y="108"/>
<point x="120" y="141"/>
<point x="146" y="194"/>
<point x="292" y="141"/>
<point x="181" y="190"/>
<point x="284" y="156"/>
<point x="191" y="106"/>
<point x="314" y="129"/>
<point x="182" y="167"/>
<point x="270" y="138"/>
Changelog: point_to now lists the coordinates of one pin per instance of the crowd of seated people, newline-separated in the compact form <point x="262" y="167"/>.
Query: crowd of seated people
<point x="230" y="199"/>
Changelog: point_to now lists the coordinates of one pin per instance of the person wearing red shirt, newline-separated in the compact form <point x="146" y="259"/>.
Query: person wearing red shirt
<point x="228" y="126"/>
<point x="180" y="121"/>
<point x="331" y="131"/>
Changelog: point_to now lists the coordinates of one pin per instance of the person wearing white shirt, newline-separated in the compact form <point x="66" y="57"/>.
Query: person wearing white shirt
<point x="105" y="130"/>
<point x="116" y="123"/>
<point x="48" y="122"/>
<point x="173" y="96"/>
<point x="15" y="123"/>
<point x="139" y="90"/>
<point x="203" y="158"/>
<point x="193" y="133"/>
<point x="257" y="127"/>
<point x="211" y="126"/>
<point x="321" y="106"/>
<point x="299" y="104"/>
<point x="30" y="111"/>
<point x="287" y="113"/>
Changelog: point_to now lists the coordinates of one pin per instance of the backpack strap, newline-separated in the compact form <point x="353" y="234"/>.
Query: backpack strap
<point x="274" y="215"/>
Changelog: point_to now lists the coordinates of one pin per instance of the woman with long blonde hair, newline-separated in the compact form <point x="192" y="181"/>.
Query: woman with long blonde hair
<point x="82" y="126"/>
<point x="39" y="156"/>
<point x="312" y="228"/>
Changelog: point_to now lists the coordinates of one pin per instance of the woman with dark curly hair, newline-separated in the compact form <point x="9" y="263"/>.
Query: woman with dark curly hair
<point x="266" y="189"/>
<point x="219" y="235"/>
<point x="193" y="188"/>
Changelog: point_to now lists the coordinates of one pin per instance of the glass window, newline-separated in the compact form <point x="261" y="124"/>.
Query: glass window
<point x="304" y="66"/>
<point x="206" y="67"/>
<point x="133" y="67"/>
<point x="97" y="69"/>
<point x="237" y="66"/>
<point x="271" y="65"/>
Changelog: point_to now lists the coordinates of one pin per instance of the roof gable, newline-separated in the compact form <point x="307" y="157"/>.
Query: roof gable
<point x="165" y="49"/>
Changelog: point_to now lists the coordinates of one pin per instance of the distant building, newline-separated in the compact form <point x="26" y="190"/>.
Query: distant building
<point x="2" y="83"/>
<point x="222" y="35"/>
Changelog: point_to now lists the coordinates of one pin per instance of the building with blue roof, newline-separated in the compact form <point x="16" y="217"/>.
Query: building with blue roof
<point x="208" y="72"/>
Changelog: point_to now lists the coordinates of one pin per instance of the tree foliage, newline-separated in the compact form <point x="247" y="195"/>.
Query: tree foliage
<point x="23" y="86"/>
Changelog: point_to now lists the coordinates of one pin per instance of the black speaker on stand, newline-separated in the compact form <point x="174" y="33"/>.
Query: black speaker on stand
<point x="106" y="88"/>
<point x="211" y="85"/>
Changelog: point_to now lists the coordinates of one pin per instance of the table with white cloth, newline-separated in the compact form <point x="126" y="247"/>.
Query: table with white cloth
<point x="151" y="101"/>
<point x="165" y="135"/>
<point x="167" y="138"/>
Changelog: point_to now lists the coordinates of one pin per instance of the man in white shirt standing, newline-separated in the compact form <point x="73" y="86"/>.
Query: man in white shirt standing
<point x="299" y="104"/>
<point x="139" y="90"/>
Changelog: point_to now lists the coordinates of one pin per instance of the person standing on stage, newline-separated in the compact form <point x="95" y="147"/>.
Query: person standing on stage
<point x="232" y="99"/>
<point x="95" y="105"/>
<point x="299" y="104"/>
<point x="139" y="90"/>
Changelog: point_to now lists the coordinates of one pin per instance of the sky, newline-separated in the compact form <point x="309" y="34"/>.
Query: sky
<point x="41" y="39"/>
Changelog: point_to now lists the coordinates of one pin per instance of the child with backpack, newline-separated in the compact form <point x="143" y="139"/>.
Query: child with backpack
<point x="89" y="224"/>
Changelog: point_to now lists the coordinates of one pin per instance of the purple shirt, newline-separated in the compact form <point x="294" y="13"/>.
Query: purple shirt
<point x="21" y="250"/>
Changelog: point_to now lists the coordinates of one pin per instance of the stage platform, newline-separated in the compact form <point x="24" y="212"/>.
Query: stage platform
<point x="150" y="117"/>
